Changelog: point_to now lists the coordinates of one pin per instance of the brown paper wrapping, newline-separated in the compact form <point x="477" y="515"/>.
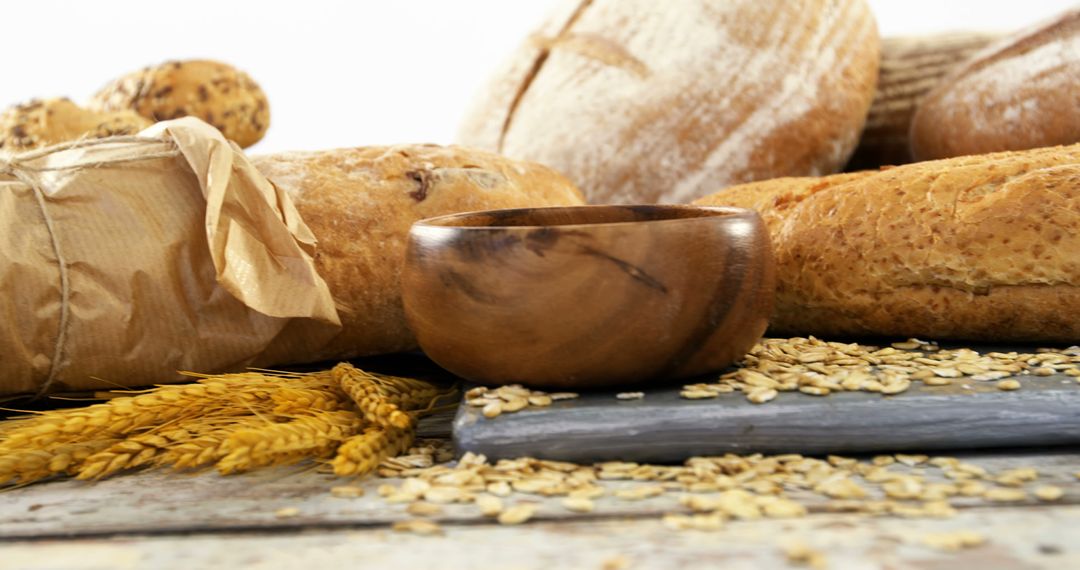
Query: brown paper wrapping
<point x="125" y="260"/>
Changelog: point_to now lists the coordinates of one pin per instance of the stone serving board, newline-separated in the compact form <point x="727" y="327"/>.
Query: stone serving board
<point x="663" y="427"/>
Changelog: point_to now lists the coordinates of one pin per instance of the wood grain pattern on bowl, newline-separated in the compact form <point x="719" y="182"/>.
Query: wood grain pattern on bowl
<point x="588" y="296"/>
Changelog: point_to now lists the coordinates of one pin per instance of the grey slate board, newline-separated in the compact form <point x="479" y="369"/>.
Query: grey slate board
<point x="663" y="427"/>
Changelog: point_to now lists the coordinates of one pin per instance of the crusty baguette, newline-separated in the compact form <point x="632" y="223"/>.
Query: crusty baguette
<point x="642" y="101"/>
<point x="980" y="247"/>
<point x="360" y="203"/>
<point x="1019" y="93"/>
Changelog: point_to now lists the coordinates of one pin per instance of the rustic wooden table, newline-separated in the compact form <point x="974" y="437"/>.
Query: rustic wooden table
<point x="165" y="520"/>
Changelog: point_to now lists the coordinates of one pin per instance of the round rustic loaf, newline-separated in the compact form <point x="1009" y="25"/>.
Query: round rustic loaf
<point x="38" y="124"/>
<point x="1019" y="93"/>
<point x="910" y="67"/>
<point x="644" y="101"/>
<point x="215" y="92"/>
<point x="976" y="247"/>
<point x="360" y="204"/>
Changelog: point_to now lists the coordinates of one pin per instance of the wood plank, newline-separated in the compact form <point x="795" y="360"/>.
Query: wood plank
<point x="664" y="427"/>
<point x="1017" y="539"/>
<point x="158" y="502"/>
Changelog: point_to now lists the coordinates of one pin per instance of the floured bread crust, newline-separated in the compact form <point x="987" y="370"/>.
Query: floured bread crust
<point x="1019" y="93"/>
<point x="978" y="247"/>
<point x="360" y="204"/>
<point x="643" y="101"/>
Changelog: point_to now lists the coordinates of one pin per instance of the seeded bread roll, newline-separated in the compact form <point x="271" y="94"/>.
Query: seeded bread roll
<point x="42" y="123"/>
<point x="1020" y="93"/>
<point x="360" y="204"/>
<point x="978" y="247"/>
<point x="645" y="101"/>
<point x="215" y="92"/>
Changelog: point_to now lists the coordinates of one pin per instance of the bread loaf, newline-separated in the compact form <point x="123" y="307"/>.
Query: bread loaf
<point x="643" y="101"/>
<point x="1020" y="93"/>
<point x="215" y="92"/>
<point x="360" y="204"/>
<point x="978" y="247"/>
<point x="42" y="123"/>
<point x="910" y="67"/>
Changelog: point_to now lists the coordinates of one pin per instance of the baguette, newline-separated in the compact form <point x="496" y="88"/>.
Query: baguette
<point x="977" y="248"/>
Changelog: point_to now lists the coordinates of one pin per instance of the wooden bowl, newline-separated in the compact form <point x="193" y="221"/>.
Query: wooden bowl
<point x="588" y="296"/>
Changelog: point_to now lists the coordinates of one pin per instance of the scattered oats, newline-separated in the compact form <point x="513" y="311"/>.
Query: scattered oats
<point x="540" y="401"/>
<point x="422" y="509"/>
<point x="1048" y="493"/>
<point x="587" y="492"/>
<point x="556" y="396"/>
<point x="971" y="489"/>
<point x="514" y="404"/>
<point x="883" y="460"/>
<point x="802" y="554"/>
<point x="702" y="522"/>
<point x="697" y="394"/>
<point x="814" y="390"/>
<point x="761" y="395"/>
<point x="953" y="540"/>
<point x="640" y="492"/>
<point x="500" y="489"/>
<point x="911" y="460"/>
<point x="1072" y="371"/>
<point x="1003" y="495"/>
<point x="1008" y="385"/>
<point x="287" y="512"/>
<point x="1043" y="371"/>
<point x="990" y="376"/>
<point x="937" y="381"/>
<point x="911" y="344"/>
<point x="347" y="491"/>
<point x="444" y="495"/>
<point x="418" y="526"/>
<point x="619" y="562"/>
<point x="385" y="490"/>
<point x="517" y="514"/>
<point x="578" y="504"/>
<point x="784" y="508"/>
<point x="630" y="395"/>
<point x="492" y="410"/>
<point x="490" y="505"/>
<point x="1016" y="477"/>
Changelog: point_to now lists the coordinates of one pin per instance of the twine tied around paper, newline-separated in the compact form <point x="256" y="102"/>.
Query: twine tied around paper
<point x="18" y="167"/>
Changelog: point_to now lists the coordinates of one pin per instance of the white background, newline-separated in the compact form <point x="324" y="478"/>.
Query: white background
<point x="343" y="73"/>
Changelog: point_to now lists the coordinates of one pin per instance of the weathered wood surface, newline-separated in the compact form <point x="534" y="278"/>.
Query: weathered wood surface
<point x="161" y="502"/>
<point x="1016" y="539"/>
<point x="665" y="427"/>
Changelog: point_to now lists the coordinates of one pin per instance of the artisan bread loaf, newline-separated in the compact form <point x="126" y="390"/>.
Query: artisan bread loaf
<point x="1020" y="93"/>
<point x="215" y="92"/>
<point x="360" y="204"/>
<point x="979" y="247"/>
<point x="644" y="101"/>
<point x="910" y="67"/>
<point x="39" y="124"/>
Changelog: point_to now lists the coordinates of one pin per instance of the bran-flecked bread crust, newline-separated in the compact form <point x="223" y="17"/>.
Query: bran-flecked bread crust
<point x="218" y="93"/>
<point x="40" y="123"/>
<point x="1021" y="92"/>
<point x="638" y="101"/>
<point x="360" y="204"/>
<point x="982" y="247"/>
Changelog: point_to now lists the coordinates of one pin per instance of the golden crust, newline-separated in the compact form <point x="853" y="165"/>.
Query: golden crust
<point x="38" y="124"/>
<point x="641" y="101"/>
<point x="360" y="204"/>
<point x="978" y="247"/>
<point x="217" y="93"/>
<point x="1019" y="93"/>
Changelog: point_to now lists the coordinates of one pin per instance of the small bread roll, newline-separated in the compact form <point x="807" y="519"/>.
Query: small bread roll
<point x="42" y="123"/>
<point x="215" y="92"/>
